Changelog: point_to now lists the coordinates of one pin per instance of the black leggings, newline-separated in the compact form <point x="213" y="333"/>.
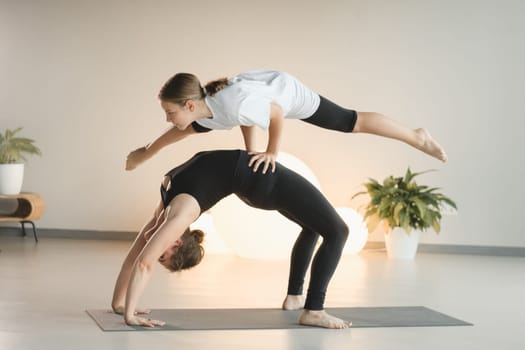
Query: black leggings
<point x="331" y="116"/>
<point x="298" y="200"/>
<point x="212" y="175"/>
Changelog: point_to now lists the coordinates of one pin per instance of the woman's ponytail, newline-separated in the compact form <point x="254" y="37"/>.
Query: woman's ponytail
<point x="197" y="235"/>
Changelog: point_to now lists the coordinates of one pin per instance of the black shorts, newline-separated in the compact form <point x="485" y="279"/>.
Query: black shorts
<point x="331" y="116"/>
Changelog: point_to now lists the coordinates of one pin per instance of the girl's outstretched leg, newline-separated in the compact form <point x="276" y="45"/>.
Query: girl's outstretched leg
<point x="334" y="117"/>
<point x="378" y="124"/>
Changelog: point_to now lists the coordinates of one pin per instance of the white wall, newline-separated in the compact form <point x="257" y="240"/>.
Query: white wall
<point x="82" y="78"/>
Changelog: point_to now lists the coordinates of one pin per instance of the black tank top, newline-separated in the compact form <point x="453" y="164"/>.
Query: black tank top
<point x="208" y="176"/>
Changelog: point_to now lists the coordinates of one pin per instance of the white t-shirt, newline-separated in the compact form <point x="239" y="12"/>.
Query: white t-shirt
<point x="247" y="98"/>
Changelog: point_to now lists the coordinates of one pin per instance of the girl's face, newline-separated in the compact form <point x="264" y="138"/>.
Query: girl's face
<point x="180" y="116"/>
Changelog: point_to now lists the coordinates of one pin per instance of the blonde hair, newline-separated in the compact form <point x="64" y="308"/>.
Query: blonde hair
<point x="186" y="86"/>
<point x="181" y="88"/>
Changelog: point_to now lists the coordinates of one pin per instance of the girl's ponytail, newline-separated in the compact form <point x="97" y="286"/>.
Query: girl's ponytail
<point x="215" y="86"/>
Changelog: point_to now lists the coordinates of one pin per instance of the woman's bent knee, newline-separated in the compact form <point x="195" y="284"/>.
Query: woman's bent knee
<point x="341" y="233"/>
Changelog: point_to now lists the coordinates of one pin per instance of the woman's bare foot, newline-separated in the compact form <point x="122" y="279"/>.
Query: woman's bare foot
<point x="293" y="302"/>
<point x="429" y="145"/>
<point x="319" y="318"/>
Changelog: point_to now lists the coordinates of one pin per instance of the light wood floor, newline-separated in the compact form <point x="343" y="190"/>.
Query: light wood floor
<point x="45" y="288"/>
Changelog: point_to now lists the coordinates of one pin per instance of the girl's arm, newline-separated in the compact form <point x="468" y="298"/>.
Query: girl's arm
<point x="182" y="211"/>
<point x="140" y="155"/>
<point x="274" y="140"/>
<point x="121" y="285"/>
<point x="248" y="133"/>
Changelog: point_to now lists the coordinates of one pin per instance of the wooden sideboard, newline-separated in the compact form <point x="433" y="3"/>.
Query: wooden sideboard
<point x="30" y="208"/>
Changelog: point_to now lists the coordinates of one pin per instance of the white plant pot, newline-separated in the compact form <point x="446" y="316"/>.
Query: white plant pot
<point x="11" y="178"/>
<point x="400" y="245"/>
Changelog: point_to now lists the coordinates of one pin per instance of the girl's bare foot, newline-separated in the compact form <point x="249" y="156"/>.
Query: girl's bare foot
<point x="430" y="146"/>
<point x="319" y="318"/>
<point x="293" y="302"/>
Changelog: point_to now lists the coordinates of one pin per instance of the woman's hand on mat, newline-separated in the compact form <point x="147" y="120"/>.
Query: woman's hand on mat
<point x="262" y="158"/>
<point x="141" y="321"/>
<point x="136" y="157"/>
<point x="120" y="310"/>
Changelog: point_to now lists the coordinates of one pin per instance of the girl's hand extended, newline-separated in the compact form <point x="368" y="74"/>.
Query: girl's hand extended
<point x="145" y="322"/>
<point x="266" y="158"/>
<point x="135" y="158"/>
<point x="120" y="310"/>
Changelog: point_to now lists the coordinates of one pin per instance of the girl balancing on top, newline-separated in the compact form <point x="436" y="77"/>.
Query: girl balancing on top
<point x="264" y="99"/>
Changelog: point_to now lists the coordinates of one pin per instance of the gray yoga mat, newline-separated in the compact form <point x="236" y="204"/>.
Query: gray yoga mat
<point x="233" y="319"/>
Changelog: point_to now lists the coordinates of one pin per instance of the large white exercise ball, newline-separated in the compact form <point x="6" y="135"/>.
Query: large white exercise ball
<point x="358" y="231"/>
<point x="256" y="233"/>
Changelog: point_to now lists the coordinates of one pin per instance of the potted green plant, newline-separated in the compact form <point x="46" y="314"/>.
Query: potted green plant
<point x="405" y="208"/>
<point x="12" y="150"/>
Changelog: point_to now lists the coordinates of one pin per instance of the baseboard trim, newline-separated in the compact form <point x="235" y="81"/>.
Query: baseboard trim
<point x="374" y="245"/>
<point x="71" y="234"/>
<point x="459" y="249"/>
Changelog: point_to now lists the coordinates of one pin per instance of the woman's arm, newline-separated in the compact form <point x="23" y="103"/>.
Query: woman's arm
<point x="182" y="211"/>
<point x="248" y="133"/>
<point x="121" y="285"/>
<point x="274" y="140"/>
<point x="140" y="155"/>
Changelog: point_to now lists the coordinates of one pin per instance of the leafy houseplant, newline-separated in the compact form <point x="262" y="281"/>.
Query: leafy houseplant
<point x="12" y="151"/>
<point x="12" y="148"/>
<point x="401" y="202"/>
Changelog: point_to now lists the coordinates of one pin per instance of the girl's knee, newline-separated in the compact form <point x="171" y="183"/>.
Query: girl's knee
<point x="363" y="120"/>
<point x="358" y="121"/>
